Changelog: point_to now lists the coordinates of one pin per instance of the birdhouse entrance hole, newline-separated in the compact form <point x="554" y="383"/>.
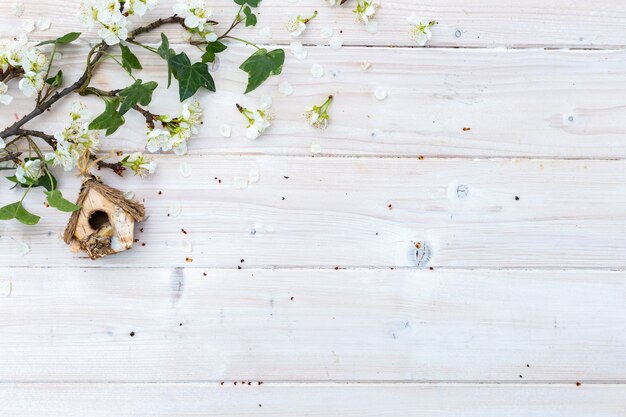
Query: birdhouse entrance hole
<point x="97" y="219"/>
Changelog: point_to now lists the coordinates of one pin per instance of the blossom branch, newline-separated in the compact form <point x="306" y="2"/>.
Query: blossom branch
<point x="95" y="56"/>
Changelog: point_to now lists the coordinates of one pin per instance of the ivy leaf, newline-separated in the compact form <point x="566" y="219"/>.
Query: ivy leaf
<point x="260" y="65"/>
<point x="212" y="49"/>
<point x="191" y="77"/>
<point x="251" y="3"/>
<point x="56" y="200"/>
<point x="46" y="181"/>
<point x="110" y="120"/>
<point x="55" y="81"/>
<point x="67" y="38"/>
<point x="17" y="211"/>
<point x="167" y="54"/>
<point x="129" y="60"/>
<point x="250" y="16"/>
<point x="137" y="93"/>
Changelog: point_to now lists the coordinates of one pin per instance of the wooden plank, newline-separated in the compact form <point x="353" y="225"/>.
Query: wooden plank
<point x="180" y="325"/>
<point x="563" y="104"/>
<point x="429" y="400"/>
<point x="466" y="23"/>
<point x="371" y="212"/>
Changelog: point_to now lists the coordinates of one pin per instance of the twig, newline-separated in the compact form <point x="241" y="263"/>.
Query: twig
<point x="49" y="139"/>
<point x="10" y="156"/>
<point x="116" y="167"/>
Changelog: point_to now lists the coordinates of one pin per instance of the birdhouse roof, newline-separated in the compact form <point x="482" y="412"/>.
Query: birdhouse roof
<point x="134" y="209"/>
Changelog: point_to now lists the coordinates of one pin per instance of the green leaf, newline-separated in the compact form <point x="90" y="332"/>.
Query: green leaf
<point x="67" y="38"/>
<point x="17" y="211"/>
<point x="137" y="93"/>
<point x="55" y="81"/>
<point x="251" y="3"/>
<point x="191" y="77"/>
<point x="260" y="65"/>
<point x="110" y="120"/>
<point x="47" y="181"/>
<point x="212" y="49"/>
<point x="250" y="16"/>
<point x="129" y="59"/>
<point x="167" y="54"/>
<point x="56" y="200"/>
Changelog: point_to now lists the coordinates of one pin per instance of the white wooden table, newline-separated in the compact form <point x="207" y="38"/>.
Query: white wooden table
<point x="500" y="152"/>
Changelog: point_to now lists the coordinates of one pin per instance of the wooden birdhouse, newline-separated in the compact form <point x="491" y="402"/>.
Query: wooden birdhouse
<point x="105" y="223"/>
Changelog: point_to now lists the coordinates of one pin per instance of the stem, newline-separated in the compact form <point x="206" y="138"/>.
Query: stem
<point x="10" y="156"/>
<point x="305" y="21"/>
<point x="54" y="51"/>
<point x="149" y="48"/>
<point x="236" y="21"/>
<point x="114" y="58"/>
<point x="26" y="192"/>
<point x="242" y="40"/>
<point x="326" y="104"/>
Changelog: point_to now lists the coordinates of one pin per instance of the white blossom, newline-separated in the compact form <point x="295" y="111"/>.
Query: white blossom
<point x="139" y="7"/>
<point x="75" y="139"/>
<point x="5" y="98"/>
<point x="114" y="30"/>
<point x="34" y="60"/>
<point x="113" y="21"/>
<point x="298" y="25"/>
<point x="29" y="171"/>
<point x="140" y="164"/>
<point x="420" y="29"/>
<point x="31" y="83"/>
<point x="176" y="131"/>
<point x="258" y="119"/>
<point x="365" y="10"/>
<point x="194" y="12"/>
<point x="317" y="116"/>
<point x="159" y="139"/>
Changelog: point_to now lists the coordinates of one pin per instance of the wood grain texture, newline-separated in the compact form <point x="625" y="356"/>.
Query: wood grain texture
<point x="401" y="272"/>
<point x="462" y="23"/>
<point x="180" y="325"/>
<point x="560" y="104"/>
<point x="327" y="212"/>
<point x="193" y="400"/>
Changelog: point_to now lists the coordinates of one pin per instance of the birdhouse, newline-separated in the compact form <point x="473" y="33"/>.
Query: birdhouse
<point x="105" y="222"/>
